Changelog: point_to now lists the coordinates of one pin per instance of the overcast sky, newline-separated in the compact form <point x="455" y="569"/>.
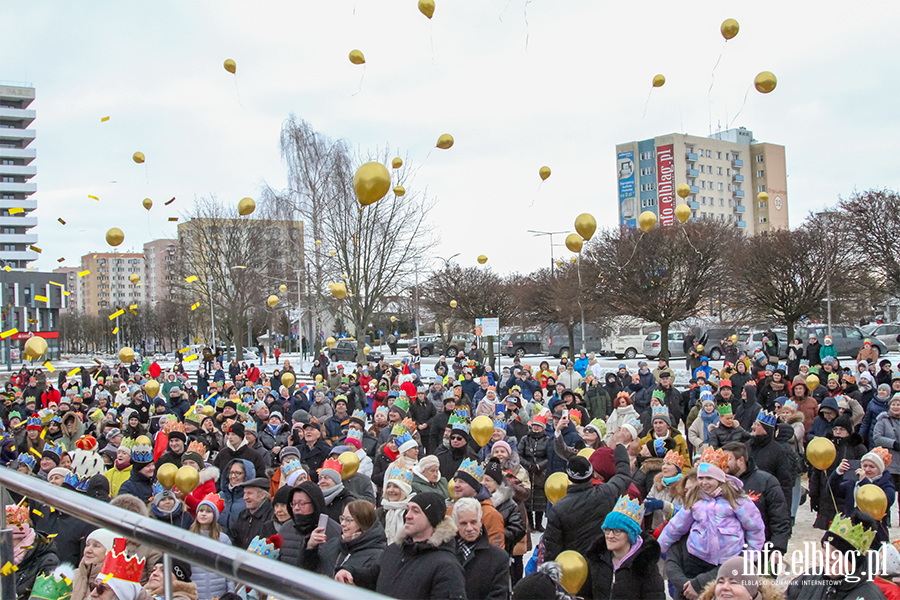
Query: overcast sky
<point x="553" y="82"/>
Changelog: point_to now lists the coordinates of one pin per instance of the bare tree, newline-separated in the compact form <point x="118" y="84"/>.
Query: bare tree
<point x="872" y="220"/>
<point x="660" y="275"/>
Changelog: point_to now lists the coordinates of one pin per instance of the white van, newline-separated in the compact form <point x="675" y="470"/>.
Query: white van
<point x="626" y="335"/>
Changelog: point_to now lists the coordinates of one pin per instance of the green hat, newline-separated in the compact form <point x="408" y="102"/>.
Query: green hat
<point x="52" y="587"/>
<point x="725" y="409"/>
<point x="402" y="403"/>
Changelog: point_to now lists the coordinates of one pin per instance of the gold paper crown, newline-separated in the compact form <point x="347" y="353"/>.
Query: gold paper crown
<point x="198" y="447"/>
<point x="16" y="514"/>
<point x="884" y="454"/>
<point x="674" y="458"/>
<point x="171" y="426"/>
<point x="856" y="535"/>
<point x="717" y="458"/>
<point x="410" y="424"/>
<point x="632" y="509"/>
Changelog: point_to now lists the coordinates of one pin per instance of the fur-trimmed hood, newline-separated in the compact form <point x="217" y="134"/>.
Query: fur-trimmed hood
<point x="130" y="503"/>
<point x="443" y="533"/>
<point x="658" y="482"/>
<point x="180" y="590"/>
<point x="766" y="591"/>
<point x="651" y="464"/>
<point x="503" y="493"/>
<point x="796" y="418"/>
<point x="209" y="474"/>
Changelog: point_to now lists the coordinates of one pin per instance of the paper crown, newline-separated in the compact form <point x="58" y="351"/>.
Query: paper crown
<point x="398" y="430"/>
<point x="456" y="422"/>
<point x="198" y="447"/>
<point x="402" y="404"/>
<point x="54" y="447"/>
<point x="403" y="437"/>
<point x="635" y="423"/>
<point x="141" y="453"/>
<point x="659" y="412"/>
<point x="725" y="409"/>
<point x="34" y="422"/>
<point x="500" y="424"/>
<point x="856" y="535"/>
<point x="884" y="454"/>
<point x="472" y="468"/>
<point x="410" y="424"/>
<point x="172" y="426"/>
<point x="355" y="434"/>
<point x="717" y="458"/>
<point x="52" y="587"/>
<point x="790" y="404"/>
<point x="674" y="458"/>
<point x="767" y="418"/>
<point x="27" y="459"/>
<point x="575" y="416"/>
<point x="462" y="413"/>
<point x="269" y="548"/>
<point x="243" y="408"/>
<point x="157" y="488"/>
<point x="250" y="426"/>
<point x="599" y="425"/>
<point x="290" y="467"/>
<point x="127" y="443"/>
<point x="542" y="419"/>
<point x="359" y="415"/>
<point x="382" y="410"/>
<point x="215" y="500"/>
<point x="401" y="474"/>
<point x="658" y="394"/>
<point x="515" y="388"/>
<point x="86" y="442"/>
<point x="632" y="509"/>
<point x="118" y="565"/>
<point x="16" y="514"/>
<point x="706" y="396"/>
<point x="79" y="484"/>
<point x="194" y="415"/>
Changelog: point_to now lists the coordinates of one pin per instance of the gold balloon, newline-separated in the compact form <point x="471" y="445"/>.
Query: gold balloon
<point x="115" y="236"/>
<point x="765" y="82"/>
<point x="574" y="569"/>
<point x="367" y="349"/>
<point x="126" y="355"/>
<point x="246" y="206"/>
<point x="399" y="190"/>
<point x="397" y="163"/>
<point x="138" y="157"/>
<point x="453" y="304"/>
<point x="585" y="225"/>
<point x="371" y="182"/>
<point x="871" y="500"/>
<point x="282" y="288"/>
<point x="482" y="259"/>
<point x="349" y="463"/>
<point x="393" y="319"/>
<point x="230" y="66"/>
<point x="134" y="278"/>
<point x="762" y="197"/>
<point x="208" y="410"/>
<point x="450" y="491"/>
<point x="339" y="290"/>
<point x="556" y="486"/>
<point x="559" y="263"/>
<point x="426" y="7"/>
<point x="659" y="80"/>
<point x="147" y="203"/>
<point x="544" y="173"/>
<point x="332" y="252"/>
<point x="272" y="301"/>
<point x="165" y="475"/>
<point x="573" y="260"/>
<point x="35" y="348"/>
<point x="187" y="479"/>
<point x="647" y="221"/>
<point x="683" y="190"/>
<point x="683" y="212"/>
<point x="318" y="242"/>
<point x="574" y="242"/>
<point x="330" y="342"/>
<point x="812" y="381"/>
<point x="445" y="142"/>
<point x="481" y="430"/>
<point x="357" y="58"/>
<point x="820" y="453"/>
<point x="151" y="388"/>
<point x="586" y="453"/>
<point x="288" y="379"/>
<point x="729" y="28"/>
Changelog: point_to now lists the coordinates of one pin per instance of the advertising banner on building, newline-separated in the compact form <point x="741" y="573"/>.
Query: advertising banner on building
<point x="627" y="198"/>
<point x="665" y="179"/>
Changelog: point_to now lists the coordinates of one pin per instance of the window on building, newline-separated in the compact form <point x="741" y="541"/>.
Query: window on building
<point x="760" y="173"/>
<point x="760" y="188"/>
<point x="727" y="156"/>
<point x="702" y="215"/>
<point x="720" y="169"/>
<point x="730" y="218"/>
<point x="729" y="203"/>
<point x="702" y="185"/>
<point x="703" y="200"/>
<point x="709" y="154"/>
<point x="763" y="219"/>
<point x="728" y="172"/>
<point x="729" y="187"/>
<point x="721" y="202"/>
<point x="720" y="186"/>
<point x="762" y="204"/>
<point x="719" y="155"/>
<point x="721" y="217"/>
<point x="702" y="169"/>
<point x="759" y="158"/>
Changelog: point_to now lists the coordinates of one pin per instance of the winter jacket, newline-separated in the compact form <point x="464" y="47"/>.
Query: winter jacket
<point x="514" y="526"/>
<point x="825" y="352"/>
<point x="876" y="407"/>
<point x="117" y="478"/>
<point x="721" y="435"/>
<point x="814" y="587"/>
<point x="773" y="457"/>
<point x="747" y="410"/>
<point x="314" y="457"/>
<point x="846" y="485"/>
<point x="671" y="400"/>
<point x="360" y="556"/>
<point x="846" y="448"/>
<point x="533" y="455"/>
<point x="774" y="508"/>
<point x="555" y="462"/>
<point x="636" y="577"/>
<point x="887" y="435"/>
<point x="598" y="401"/>
<point x="676" y="558"/>
<point x="138" y="485"/>
<point x="320" y="559"/>
<point x="227" y="454"/>
<point x="233" y="497"/>
<point x="486" y="569"/>
<point x="178" y="516"/>
<point x="680" y="445"/>
<point x="40" y="558"/>
<point x="449" y="459"/>
<point x="821" y="426"/>
<point x="249" y="524"/>
<point x="716" y="531"/>
<point x="575" y="521"/>
<point x="619" y="417"/>
<point x="211" y="585"/>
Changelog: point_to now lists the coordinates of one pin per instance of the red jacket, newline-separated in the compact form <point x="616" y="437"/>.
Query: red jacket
<point x="52" y="395"/>
<point x="208" y="478"/>
<point x="889" y="589"/>
<point x="409" y="388"/>
<point x="253" y="374"/>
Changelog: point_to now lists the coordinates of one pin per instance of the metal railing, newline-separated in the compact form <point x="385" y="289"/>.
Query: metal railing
<point x="266" y="575"/>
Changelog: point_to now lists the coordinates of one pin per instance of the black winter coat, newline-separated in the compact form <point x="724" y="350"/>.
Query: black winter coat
<point x="359" y="556"/>
<point x="773" y="507"/>
<point x="314" y="457"/>
<point x="812" y="353"/>
<point x="335" y="508"/>
<point x="533" y="456"/>
<point x="637" y="577"/>
<point x="575" y="522"/>
<point x="451" y="458"/>
<point x="774" y="458"/>
<point x="721" y="435"/>
<point x="138" y="485"/>
<point x="747" y="410"/>
<point x="40" y="558"/>
<point x="320" y="559"/>
<point x="513" y="525"/>
<point x="71" y="535"/>
<point x="245" y="452"/>
<point x="249" y="525"/>
<point x="486" y="569"/>
<point x="846" y="448"/>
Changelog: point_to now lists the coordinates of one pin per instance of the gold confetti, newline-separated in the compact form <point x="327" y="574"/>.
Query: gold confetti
<point x="98" y="362"/>
<point x="32" y="320"/>
<point x="173" y="219"/>
<point x="42" y="298"/>
<point x="57" y="284"/>
<point x="94" y="198"/>
<point x="107" y="578"/>
<point x="35" y="249"/>
<point x="115" y="331"/>
<point x="170" y="201"/>
<point x="104" y="119"/>
<point x="65" y="293"/>
<point x="7" y="268"/>
<point x="191" y="357"/>
<point x="49" y="366"/>
<point x="85" y="272"/>
<point x="118" y="313"/>
<point x="185" y="349"/>
<point x="73" y="372"/>
<point x="15" y="211"/>
<point x="60" y="220"/>
<point x="66" y="579"/>
<point x="61" y="259"/>
<point x="239" y="267"/>
<point x="37" y="512"/>
<point x="8" y="333"/>
<point x="192" y="279"/>
<point x="8" y="569"/>
<point x="195" y="306"/>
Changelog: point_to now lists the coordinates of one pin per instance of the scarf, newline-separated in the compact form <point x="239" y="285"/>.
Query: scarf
<point x="23" y="540"/>
<point x="394" y="515"/>
<point x="331" y="494"/>
<point x="273" y="429"/>
<point x="465" y="547"/>
<point x="708" y="419"/>
<point x="670" y="480"/>
<point x="85" y="574"/>
<point x="241" y="445"/>
<point x="121" y="466"/>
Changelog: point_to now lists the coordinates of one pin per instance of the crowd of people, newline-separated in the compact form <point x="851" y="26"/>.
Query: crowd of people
<point x="384" y="479"/>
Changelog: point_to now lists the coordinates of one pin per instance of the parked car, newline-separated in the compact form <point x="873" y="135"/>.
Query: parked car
<point x="751" y="341"/>
<point x="712" y="341"/>
<point x="556" y="340"/>
<point x="345" y="350"/>
<point x="652" y="346"/>
<point x="846" y="339"/>
<point x="888" y="334"/>
<point x="520" y="344"/>
<point x="459" y="341"/>
<point x="625" y="338"/>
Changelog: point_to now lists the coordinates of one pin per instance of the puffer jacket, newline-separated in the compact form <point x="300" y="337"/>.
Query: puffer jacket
<point x="533" y="455"/>
<point x="721" y="435"/>
<point x="619" y="417"/>
<point x="211" y="585"/>
<point x="295" y="536"/>
<point x="876" y="407"/>
<point x="138" y="485"/>
<point x="821" y="426"/>
<point x="513" y="524"/>
<point x="636" y="577"/>
<point x="887" y="435"/>
<point x="233" y="498"/>
<point x="358" y="555"/>
<point x="715" y="530"/>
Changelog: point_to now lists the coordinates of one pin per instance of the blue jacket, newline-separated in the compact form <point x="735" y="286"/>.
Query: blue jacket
<point x="555" y="462"/>
<point x="138" y="485"/>
<point x="581" y="365"/>
<point x="820" y="426"/>
<point x="876" y="407"/>
<point x="233" y="498"/>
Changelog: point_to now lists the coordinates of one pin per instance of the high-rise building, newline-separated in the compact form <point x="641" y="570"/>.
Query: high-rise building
<point x="159" y="270"/>
<point x="726" y="173"/>
<point x="108" y="285"/>
<point x="70" y="302"/>
<point x="15" y="172"/>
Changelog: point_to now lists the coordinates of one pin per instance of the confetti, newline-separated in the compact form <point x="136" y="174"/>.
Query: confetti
<point x="35" y="249"/>
<point x="42" y="298"/>
<point x="85" y="272"/>
<point x="191" y="357"/>
<point x="7" y="268"/>
<point x="239" y="267"/>
<point x="115" y="331"/>
<point x="8" y="569"/>
<point x="107" y="578"/>
<point x="192" y="279"/>
<point x="61" y="221"/>
<point x="118" y="313"/>
<point x="37" y="512"/>
<point x="170" y="201"/>
<point x="8" y="333"/>
<point x="57" y="284"/>
<point x="15" y="211"/>
<point x="32" y="320"/>
<point x="61" y="259"/>
<point x="104" y="119"/>
<point x="73" y="372"/>
<point x="49" y="366"/>
<point x="98" y="362"/>
<point x="195" y="306"/>
<point x="173" y="219"/>
<point x="94" y="198"/>
<point x="185" y="349"/>
<point x="65" y="293"/>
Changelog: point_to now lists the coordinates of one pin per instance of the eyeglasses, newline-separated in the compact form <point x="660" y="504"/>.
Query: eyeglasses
<point x="100" y="588"/>
<point x="346" y="520"/>
<point x="615" y="532"/>
<point x="236" y="474"/>
<point x="300" y="503"/>
<point x="456" y="438"/>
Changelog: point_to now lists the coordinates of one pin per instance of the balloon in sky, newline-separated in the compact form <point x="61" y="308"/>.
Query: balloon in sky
<point x="574" y="242"/>
<point x="230" y="66"/>
<point x="482" y="259"/>
<point x="134" y="278"/>
<point x="659" y="80"/>
<point x="426" y="7"/>
<point x="453" y="304"/>
<point x="765" y="82"/>
<point x="399" y="190"/>
<point x="138" y="157"/>
<point x="585" y="225"/>
<point x="397" y="163"/>
<point x="357" y="58"/>
<point x="729" y="28"/>
<point x="272" y="301"/>
<point x="282" y="288"/>
<point x="147" y="203"/>
<point x="544" y="173"/>
<point x="115" y="236"/>
<point x="246" y="206"/>
<point x="647" y="220"/>
<point x="683" y="212"/>
<point x="762" y="197"/>
<point x="683" y="190"/>
<point x="371" y="182"/>
<point x="445" y="142"/>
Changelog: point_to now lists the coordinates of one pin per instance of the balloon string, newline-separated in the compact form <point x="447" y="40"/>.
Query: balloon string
<point x="527" y="29"/>
<point x="431" y="35"/>
<point x="742" y="105"/>
<point x="237" y="92"/>
<point x="690" y="243"/>
<point x="647" y="102"/>
<point x="359" y="89"/>
<point x="712" y="83"/>
<point x="500" y="16"/>
<point x="538" y="191"/>
<point x="635" y="249"/>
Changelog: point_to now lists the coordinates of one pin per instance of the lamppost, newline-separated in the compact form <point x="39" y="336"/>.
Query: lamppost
<point x="827" y="216"/>
<point x="551" y="234"/>
<point x="212" y="315"/>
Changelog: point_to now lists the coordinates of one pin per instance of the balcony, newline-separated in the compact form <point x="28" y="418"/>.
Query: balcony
<point x="21" y="171"/>
<point x="25" y="116"/>
<point x="17" y="135"/>
<point x="691" y="156"/>
<point x="28" y="154"/>
<point x="737" y="162"/>
<point x="17" y="221"/>
<point x="18" y="255"/>
<point x="739" y="209"/>
<point x="693" y="172"/>
<point x="742" y="224"/>
<point x="739" y="193"/>
<point x="18" y="203"/>
<point x="18" y="238"/>
<point x="694" y="205"/>
<point x="25" y="188"/>
<point x="739" y="178"/>
<point x="695" y="189"/>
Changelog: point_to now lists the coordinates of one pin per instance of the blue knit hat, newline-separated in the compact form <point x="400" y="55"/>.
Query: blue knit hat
<point x="627" y="516"/>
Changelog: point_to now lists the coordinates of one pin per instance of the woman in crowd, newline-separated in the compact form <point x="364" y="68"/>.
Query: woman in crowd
<point x="209" y="584"/>
<point x="362" y="542"/>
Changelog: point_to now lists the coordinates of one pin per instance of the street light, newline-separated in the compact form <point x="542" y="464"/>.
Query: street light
<point x="447" y="260"/>
<point x="551" y="234"/>
<point x="827" y="215"/>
